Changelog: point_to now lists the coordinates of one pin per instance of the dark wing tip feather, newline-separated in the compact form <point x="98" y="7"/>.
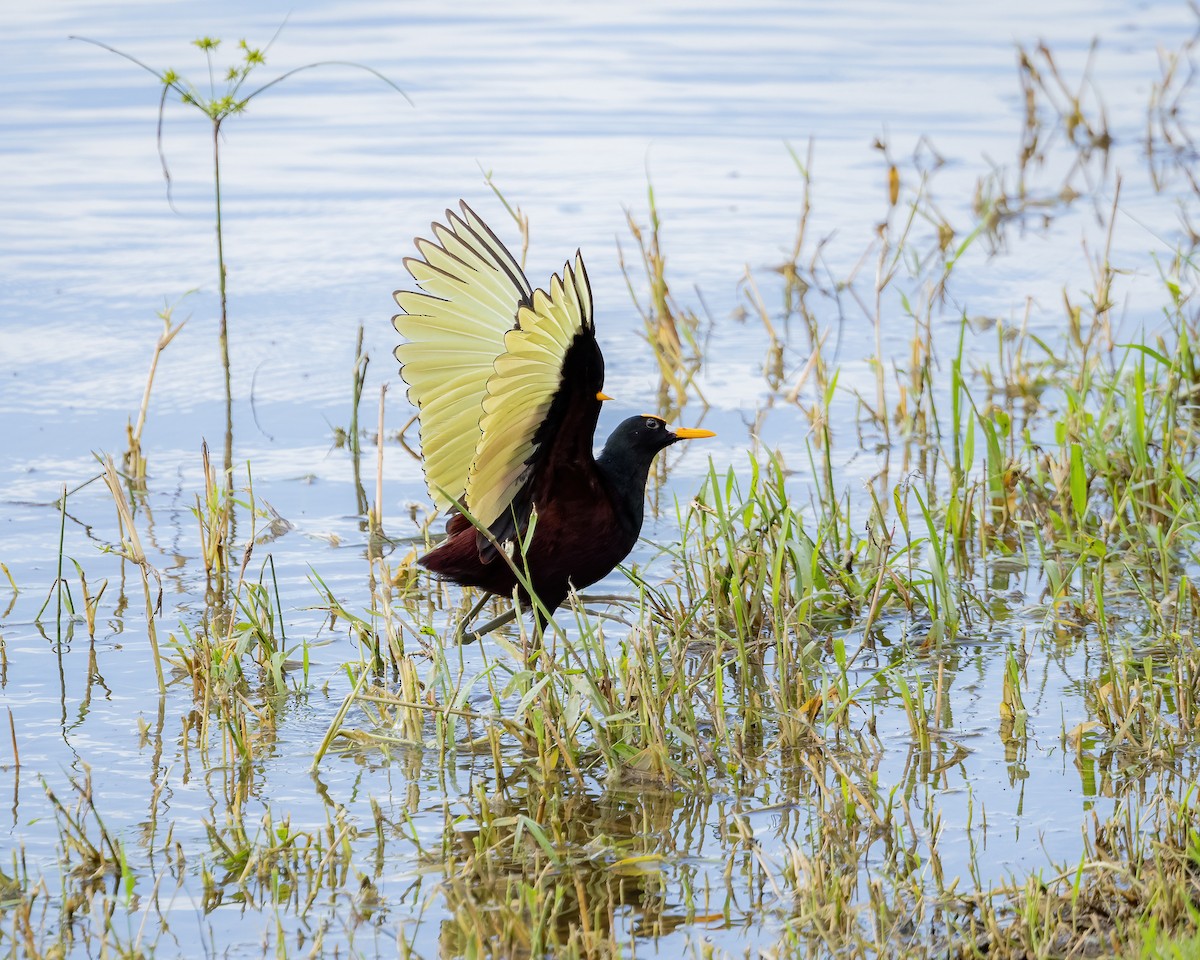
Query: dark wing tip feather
<point x="589" y="319"/>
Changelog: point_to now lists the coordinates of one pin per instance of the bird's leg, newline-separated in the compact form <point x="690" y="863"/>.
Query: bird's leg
<point x="473" y="635"/>
<point x="606" y="598"/>
<point x="460" y="630"/>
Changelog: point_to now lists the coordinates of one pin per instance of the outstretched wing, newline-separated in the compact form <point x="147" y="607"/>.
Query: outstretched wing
<point x="471" y="292"/>
<point x="541" y="402"/>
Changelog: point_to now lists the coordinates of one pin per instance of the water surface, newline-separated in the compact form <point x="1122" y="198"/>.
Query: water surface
<point x="327" y="178"/>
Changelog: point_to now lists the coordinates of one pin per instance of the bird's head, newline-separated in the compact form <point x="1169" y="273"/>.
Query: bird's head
<point x="626" y="459"/>
<point x="644" y="436"/>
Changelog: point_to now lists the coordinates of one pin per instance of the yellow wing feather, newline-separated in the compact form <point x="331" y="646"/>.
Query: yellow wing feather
<point x="454" y="328"/>
<point x="526" y="377"/>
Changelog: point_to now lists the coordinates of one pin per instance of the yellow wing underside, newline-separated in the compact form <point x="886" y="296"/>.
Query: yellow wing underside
<point x="526" y="377"/>
<point x="483" y="359"/>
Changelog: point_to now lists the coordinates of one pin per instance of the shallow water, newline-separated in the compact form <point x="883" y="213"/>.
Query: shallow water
<point x="326" y="181"/>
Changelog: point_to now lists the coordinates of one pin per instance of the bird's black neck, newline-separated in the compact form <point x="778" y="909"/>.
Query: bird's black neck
<point x="626" y="471"/>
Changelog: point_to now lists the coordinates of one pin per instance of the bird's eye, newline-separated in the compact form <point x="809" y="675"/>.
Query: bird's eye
<point x="652" y="424"/>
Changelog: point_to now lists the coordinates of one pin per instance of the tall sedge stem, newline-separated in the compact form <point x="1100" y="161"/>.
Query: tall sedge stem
<point x="217" y="107"/>
<point x="222" y="330"/>
<point x="220" y="248"/>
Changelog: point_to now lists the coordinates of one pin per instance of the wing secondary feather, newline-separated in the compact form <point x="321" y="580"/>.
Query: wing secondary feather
<point x="528" y="375"/>
<point x="471" y="291"/>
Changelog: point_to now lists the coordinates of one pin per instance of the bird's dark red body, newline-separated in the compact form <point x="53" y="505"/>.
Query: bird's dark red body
<point x="578" y="539"/>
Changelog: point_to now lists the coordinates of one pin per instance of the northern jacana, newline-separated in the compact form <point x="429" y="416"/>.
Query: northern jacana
<point x="507" y="381"/>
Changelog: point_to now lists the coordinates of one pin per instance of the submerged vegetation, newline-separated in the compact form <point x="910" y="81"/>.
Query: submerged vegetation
<point x="825" y="702"/>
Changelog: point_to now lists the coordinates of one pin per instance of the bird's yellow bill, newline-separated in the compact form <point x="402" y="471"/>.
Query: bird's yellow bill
<point x="693" y="433"/>
<point x="602" y="396"/>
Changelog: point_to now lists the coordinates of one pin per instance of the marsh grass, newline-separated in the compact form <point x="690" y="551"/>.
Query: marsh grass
<point x="671" y="332"/>
<point x="131" y="549"/>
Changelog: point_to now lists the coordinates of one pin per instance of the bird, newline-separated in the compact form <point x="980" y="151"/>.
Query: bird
<point x="508" y="385"/>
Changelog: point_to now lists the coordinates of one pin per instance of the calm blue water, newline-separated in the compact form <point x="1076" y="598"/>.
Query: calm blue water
<point x="327" y="179"/>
